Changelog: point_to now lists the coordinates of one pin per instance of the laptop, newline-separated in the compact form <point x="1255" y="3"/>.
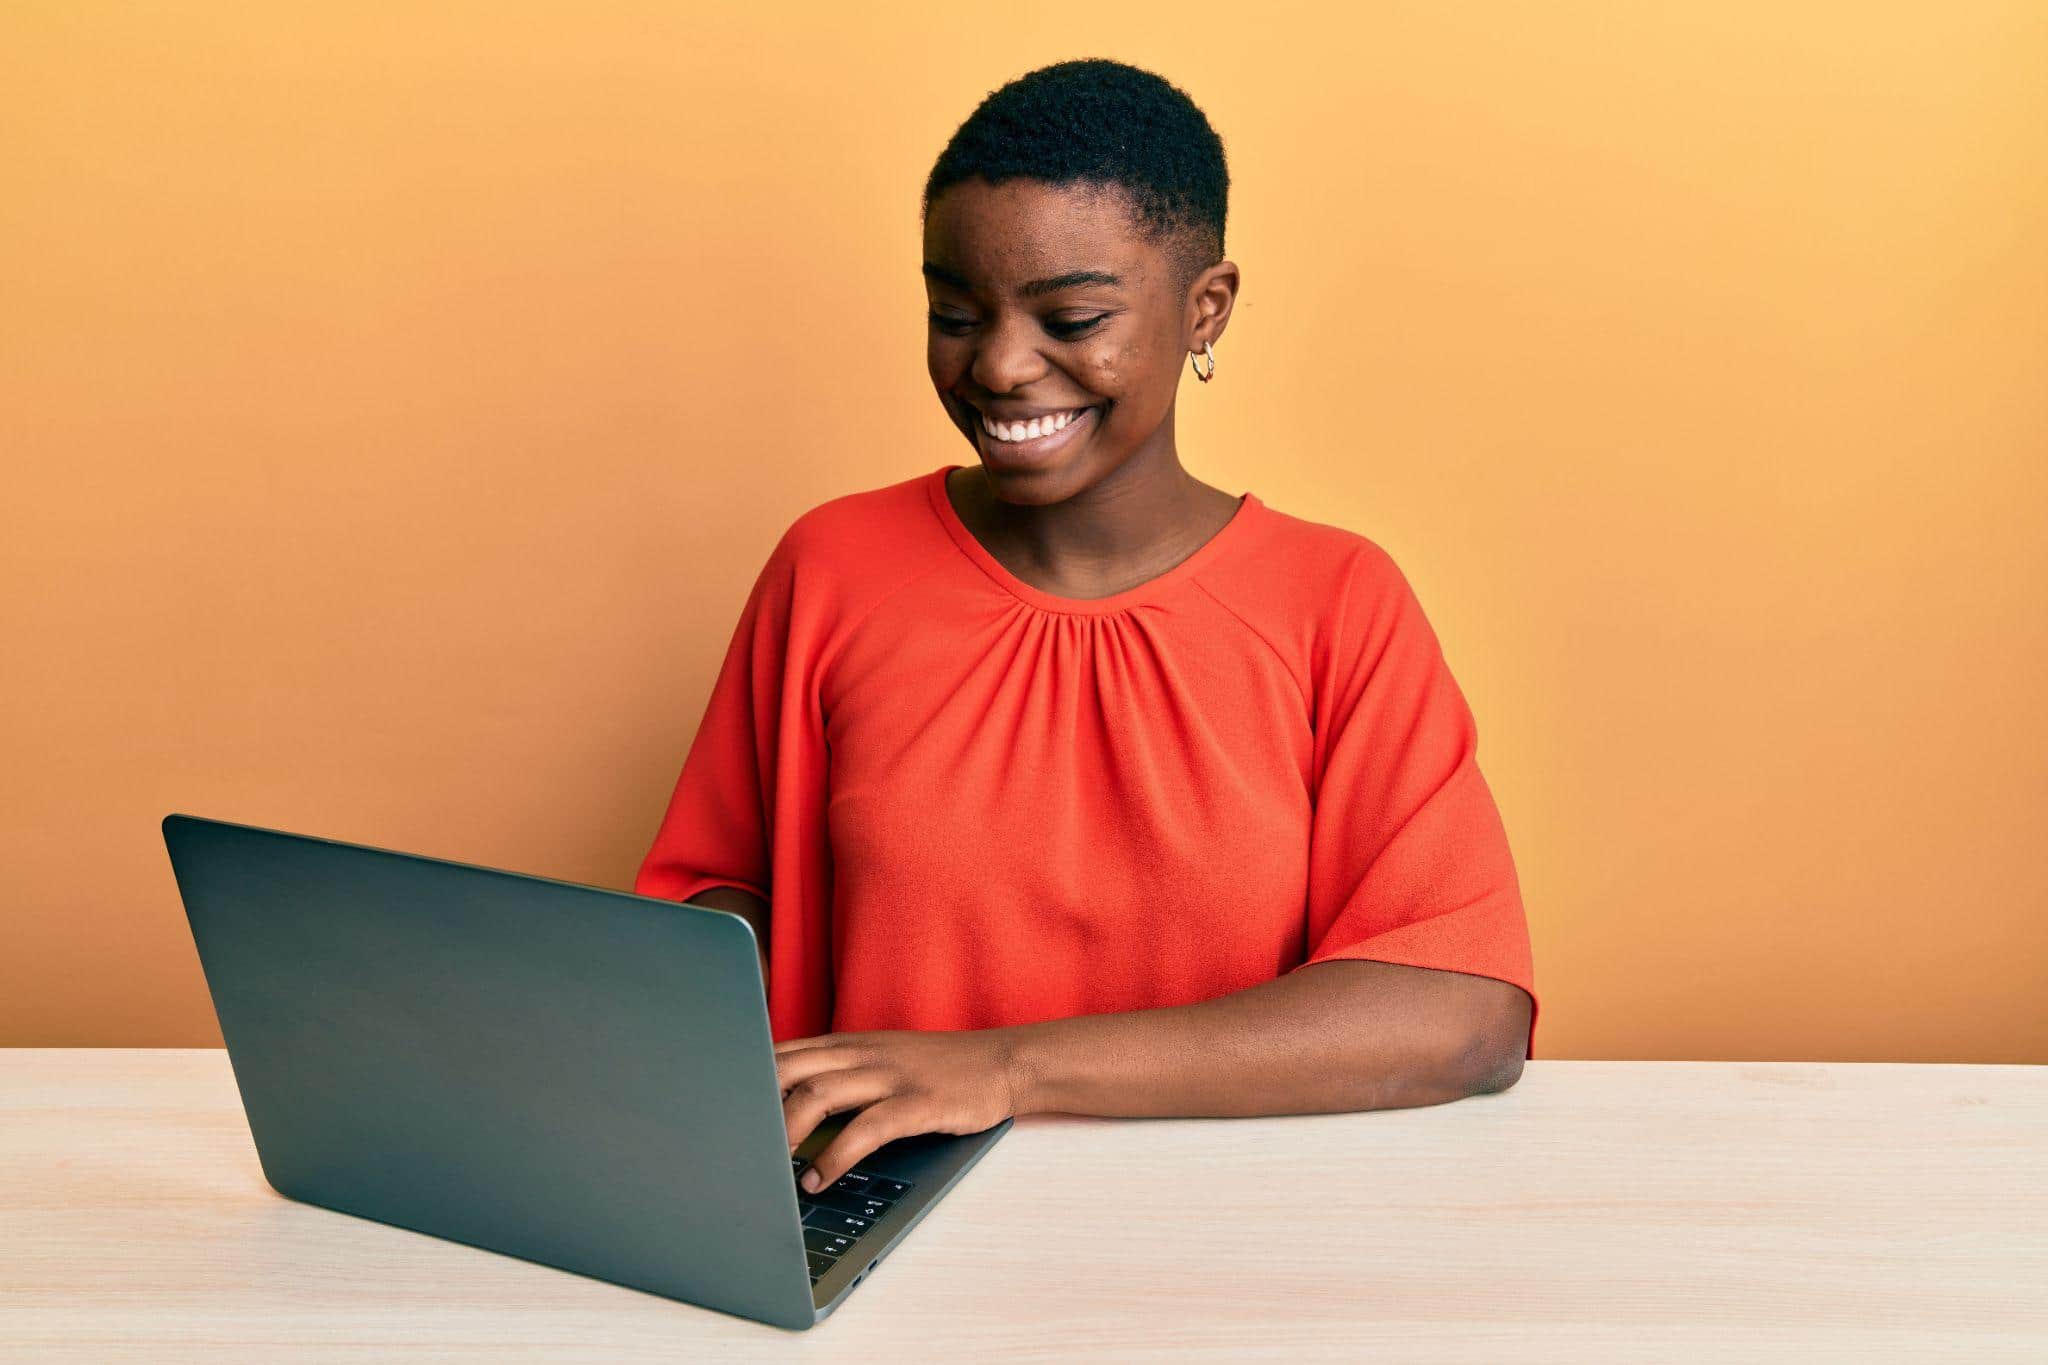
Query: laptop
<point x="574" y="1076"/>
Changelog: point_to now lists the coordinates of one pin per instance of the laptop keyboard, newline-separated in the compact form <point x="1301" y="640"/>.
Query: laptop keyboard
<point x="836" y="1216"/>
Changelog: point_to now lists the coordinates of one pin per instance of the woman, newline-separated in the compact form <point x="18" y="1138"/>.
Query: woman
<point x="1043" y="779"/>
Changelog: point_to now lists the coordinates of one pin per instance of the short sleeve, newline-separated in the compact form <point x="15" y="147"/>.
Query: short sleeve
<point x="1408" y="858"/>
<point x="748" y="809"/>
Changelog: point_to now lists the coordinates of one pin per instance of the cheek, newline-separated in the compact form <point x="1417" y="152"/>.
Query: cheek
<point x="1118" y="373"/>
<point x="1109" y="372"/>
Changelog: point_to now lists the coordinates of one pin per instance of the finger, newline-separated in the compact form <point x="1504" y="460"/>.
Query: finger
<point x="798" y="1044"/>
<point x="864" y="1132"/>
<point x="810" y="1101"/>
<point x="794" y="1068"/>
<point x="807" y="1042"/>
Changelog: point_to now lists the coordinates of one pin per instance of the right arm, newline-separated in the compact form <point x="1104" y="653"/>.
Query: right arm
<point x="747" y="906"/>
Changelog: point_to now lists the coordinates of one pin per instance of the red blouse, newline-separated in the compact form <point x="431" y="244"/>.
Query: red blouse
<point x="970" y="803"/>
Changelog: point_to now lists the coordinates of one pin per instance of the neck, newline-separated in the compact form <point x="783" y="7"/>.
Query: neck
<point x="1145" y="512"/>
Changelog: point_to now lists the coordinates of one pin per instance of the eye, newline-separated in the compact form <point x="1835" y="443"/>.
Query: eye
<point x="1066" y="329"/>
<point x="1069" y="329"/>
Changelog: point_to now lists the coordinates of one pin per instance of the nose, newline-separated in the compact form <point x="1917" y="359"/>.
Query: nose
<point x="1006" y="357"/>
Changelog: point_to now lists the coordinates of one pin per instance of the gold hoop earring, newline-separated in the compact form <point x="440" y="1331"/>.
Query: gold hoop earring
<point x="1194" y="365"/>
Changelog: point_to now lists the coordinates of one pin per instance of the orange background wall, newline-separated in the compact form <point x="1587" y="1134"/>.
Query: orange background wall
<point x="398" y="404"/>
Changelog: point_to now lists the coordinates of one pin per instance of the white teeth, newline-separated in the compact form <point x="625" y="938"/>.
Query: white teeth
<point x="1031" y="430"/>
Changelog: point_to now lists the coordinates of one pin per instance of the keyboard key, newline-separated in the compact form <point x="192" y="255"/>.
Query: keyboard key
<point x="819" y="1264"/>
<point x="853" y="1182"/>
<point x="865" y="1205"/>
<point x="825" y="1241"/>
<point x="832" y="1220"/>
<point x="884" y="1188"/>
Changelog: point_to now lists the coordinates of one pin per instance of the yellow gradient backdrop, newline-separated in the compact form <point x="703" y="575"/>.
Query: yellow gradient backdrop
<point x="398" y="401"/>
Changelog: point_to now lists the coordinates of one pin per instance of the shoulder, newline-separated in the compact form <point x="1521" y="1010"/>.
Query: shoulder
<point x="850" y="526"/>
<point x="1332" y="558"/>
<point x="1308" y="579"/>
<point x="840" y="556"/>
<point x="1331" y="601"/>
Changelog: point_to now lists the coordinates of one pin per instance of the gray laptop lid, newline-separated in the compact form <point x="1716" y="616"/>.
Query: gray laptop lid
<point x="575" y="1076"/>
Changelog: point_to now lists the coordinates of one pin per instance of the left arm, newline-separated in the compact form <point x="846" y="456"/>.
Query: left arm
<point x="1340" y="1036"/>
<point x="1343" y="1035"/>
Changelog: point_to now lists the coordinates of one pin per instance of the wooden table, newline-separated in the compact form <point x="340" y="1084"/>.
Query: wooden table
<point x="1597" y="1211"/>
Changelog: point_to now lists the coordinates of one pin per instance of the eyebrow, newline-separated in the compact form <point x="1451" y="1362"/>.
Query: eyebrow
<point x="1052" y="284"/>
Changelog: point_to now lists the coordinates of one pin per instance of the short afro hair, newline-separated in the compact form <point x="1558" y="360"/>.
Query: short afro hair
<point x="1093" y="121"/>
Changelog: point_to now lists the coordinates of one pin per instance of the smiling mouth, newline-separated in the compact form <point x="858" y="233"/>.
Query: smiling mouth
<point x="1049" y="437"/>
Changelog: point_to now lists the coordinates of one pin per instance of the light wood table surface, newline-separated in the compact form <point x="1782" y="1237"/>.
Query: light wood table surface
<point x="1649" y="1211"/>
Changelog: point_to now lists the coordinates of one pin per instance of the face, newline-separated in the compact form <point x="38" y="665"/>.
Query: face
<point x="1048" y="302"/>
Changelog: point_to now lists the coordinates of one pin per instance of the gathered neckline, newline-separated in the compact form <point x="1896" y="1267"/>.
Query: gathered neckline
<point x="949" y="518"/>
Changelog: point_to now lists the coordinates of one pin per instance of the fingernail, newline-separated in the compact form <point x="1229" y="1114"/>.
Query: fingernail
<point x="812" y="1180"/>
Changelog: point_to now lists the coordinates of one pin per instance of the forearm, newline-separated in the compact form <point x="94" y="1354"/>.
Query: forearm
<point x="1335" y="1037"/>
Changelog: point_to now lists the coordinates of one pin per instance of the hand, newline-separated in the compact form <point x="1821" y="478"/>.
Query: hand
<point x="909" y="1082"/>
